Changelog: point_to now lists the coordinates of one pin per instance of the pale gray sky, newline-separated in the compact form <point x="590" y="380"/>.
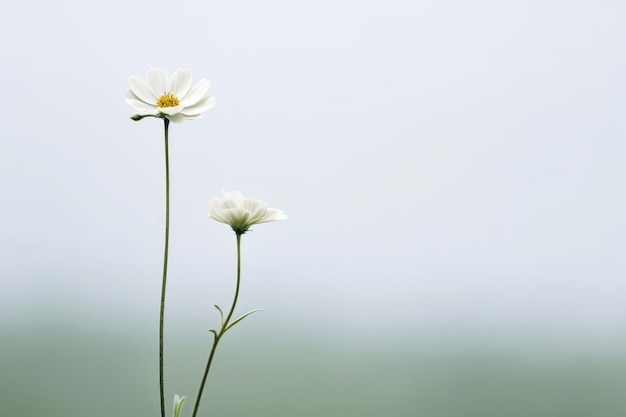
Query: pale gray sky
<point x="441" y="162"/>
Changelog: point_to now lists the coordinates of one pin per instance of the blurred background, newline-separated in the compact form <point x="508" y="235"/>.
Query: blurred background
<point x="453" y="175"/>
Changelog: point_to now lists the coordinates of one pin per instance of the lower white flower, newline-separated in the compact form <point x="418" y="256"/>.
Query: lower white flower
<point x="240" y="212"/>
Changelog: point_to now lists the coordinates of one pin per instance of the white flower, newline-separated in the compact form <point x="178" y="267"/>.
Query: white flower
<point x="171" y="98"/>
<point x="241" y="213"/>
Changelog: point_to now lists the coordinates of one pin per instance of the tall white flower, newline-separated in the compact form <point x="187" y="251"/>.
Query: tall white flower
<point x="240" y="212"/>
<point x="168" y="98"/>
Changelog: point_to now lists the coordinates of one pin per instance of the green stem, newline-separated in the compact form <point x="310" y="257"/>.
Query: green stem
<point x="165" y="255"/>
<point x="218" y="335"/>
<point x="206" y="373"/>
<point x="232" y="308"/>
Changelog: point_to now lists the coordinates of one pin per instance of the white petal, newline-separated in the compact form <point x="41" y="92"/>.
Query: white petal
<point x="142" y="107"/>
<point x="198" y="116"/>
<point x="177" y="118"/>
<point x="196" y="93"/>
<point x="140" y="89"/>
<point x="228" y="204"/>
<point x="232" y="199"/>
<point x="215" y="210"/>
<point x="273" y="215"/>
<point x="200" y="107"/>
<point x="258" y="217"/>
<point x="238" y="218"/>
<point x="170" y="111"/>
<point x="256" y="207"/>
<point x="158" y="81"/>
<point x="253" y="205"/>
<point x="180" y="83"/>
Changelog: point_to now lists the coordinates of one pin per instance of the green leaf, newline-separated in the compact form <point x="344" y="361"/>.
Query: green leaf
<point x="242" y="317"/>
<point x="221" y="313"/>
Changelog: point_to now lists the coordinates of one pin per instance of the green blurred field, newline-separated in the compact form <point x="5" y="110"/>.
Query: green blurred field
<point x="77" y="372"/>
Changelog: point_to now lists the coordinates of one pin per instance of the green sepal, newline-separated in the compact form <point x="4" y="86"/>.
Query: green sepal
<point x="137" y="117"/>
<point x="242" y="317"/>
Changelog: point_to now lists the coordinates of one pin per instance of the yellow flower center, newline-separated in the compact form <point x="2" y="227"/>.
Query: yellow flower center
<point x="168" y="100"/>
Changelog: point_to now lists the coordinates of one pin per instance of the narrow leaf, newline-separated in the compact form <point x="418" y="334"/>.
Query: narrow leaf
<point x="243" y="317"/>
<point x="221" y="313"/>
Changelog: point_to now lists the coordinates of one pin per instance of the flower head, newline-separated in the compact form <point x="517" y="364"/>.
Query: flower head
<point x="168" y="98"/>
<point x="240" y="213"/>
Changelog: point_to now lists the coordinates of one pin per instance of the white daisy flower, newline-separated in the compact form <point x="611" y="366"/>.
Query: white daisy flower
<point x="168" y="98"/>
<point x="240" y="212"/>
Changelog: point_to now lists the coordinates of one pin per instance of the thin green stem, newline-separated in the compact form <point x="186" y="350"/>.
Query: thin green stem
<point x="232" y="309"/>
<point x="206" y="373"/>
<point x="218" y="335"/>
<point x="165" y="256"/>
